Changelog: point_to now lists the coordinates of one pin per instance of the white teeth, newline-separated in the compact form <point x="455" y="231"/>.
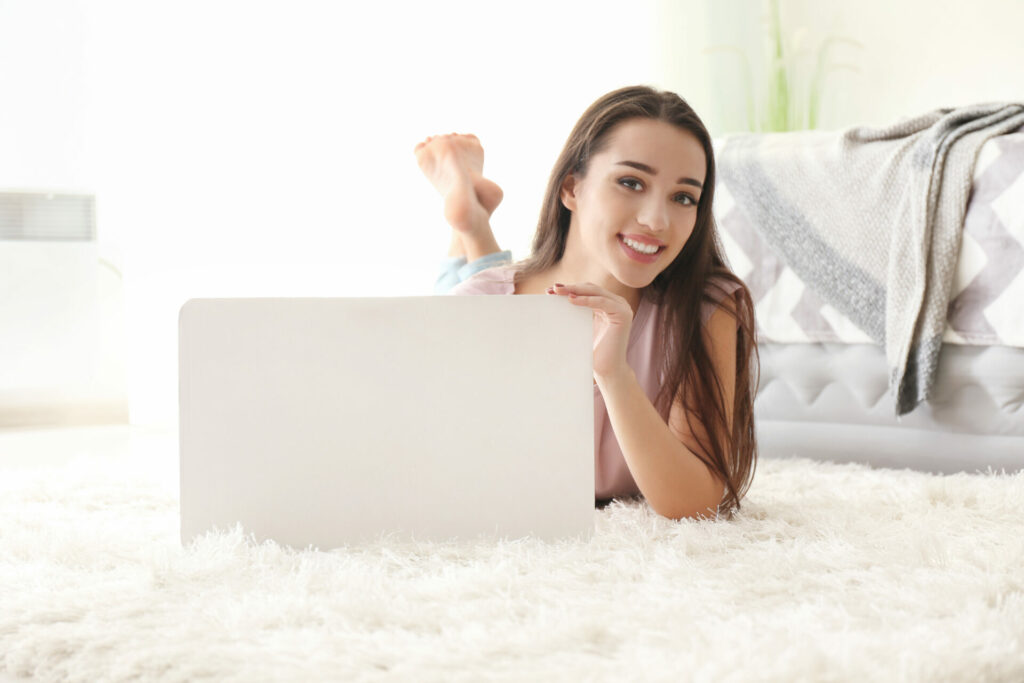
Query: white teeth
<point x="639" y="246"/>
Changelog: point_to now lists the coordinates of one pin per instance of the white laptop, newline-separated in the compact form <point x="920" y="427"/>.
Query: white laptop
<point x="329" y="422"/>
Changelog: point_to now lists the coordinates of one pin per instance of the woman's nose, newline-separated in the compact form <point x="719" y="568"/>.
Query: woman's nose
<point x="654" y="216"/>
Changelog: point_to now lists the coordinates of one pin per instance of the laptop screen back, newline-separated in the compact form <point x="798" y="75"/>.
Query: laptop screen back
<point x="333" y="421"/>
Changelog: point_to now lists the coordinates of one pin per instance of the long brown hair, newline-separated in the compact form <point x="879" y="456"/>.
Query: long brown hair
<point x="678" y="291"/>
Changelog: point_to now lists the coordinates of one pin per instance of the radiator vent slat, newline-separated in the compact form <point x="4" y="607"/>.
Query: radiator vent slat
<point x="41" y="216"/>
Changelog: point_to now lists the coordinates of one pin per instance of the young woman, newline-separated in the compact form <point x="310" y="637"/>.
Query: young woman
<point x="626" y="230"/>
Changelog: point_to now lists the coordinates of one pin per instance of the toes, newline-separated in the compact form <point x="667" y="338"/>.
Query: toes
<point x="427" y="140"/>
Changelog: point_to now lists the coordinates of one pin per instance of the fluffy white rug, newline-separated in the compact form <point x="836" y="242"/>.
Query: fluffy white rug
<point x="831" y="572"/>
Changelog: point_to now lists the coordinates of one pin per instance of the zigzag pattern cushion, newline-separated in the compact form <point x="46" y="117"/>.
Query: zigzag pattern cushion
<point x="985" y="306"/>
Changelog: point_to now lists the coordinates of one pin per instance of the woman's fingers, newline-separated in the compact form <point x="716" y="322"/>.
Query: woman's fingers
<point x="594" y="297"/>
<point x="586" y="290"/>
<point x="597" y="302"/>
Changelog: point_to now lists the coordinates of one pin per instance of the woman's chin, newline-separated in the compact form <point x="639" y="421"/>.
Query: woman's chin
<point x="636" y="280"/>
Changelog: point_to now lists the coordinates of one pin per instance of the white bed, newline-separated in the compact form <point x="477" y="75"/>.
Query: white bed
<point x="823" y="390"/>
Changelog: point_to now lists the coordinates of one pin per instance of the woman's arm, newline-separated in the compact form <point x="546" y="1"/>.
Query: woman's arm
<point x="660" y="453"/>
<point x="660" y="456"/>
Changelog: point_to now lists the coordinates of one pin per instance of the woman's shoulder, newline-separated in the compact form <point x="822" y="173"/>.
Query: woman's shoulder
<point x="497" y="280"/>
<point x="719" y="286"/>
<point x="719" y="291"/>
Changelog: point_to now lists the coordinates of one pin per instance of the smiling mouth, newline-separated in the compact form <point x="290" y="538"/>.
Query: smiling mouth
<point x="660" y="249"/>
<point x="639" y="256"/>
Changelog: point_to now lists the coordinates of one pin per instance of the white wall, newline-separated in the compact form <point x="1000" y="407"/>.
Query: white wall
<point x="265" y="148"/>
<point x="42" y="95"/>
<point x="923" y="55"/>
<point x="918" y="55"/>
<point x="61" y="315"/>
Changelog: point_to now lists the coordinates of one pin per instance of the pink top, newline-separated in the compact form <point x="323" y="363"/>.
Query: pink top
<point x="612" y="476"/>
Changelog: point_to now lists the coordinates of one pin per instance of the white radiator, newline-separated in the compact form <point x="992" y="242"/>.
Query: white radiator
<point x="54" y="366"/>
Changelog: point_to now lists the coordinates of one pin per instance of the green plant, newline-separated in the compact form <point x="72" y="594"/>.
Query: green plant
<point x="781" y="110"/>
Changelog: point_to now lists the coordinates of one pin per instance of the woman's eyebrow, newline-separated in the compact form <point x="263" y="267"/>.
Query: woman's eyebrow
<point x="647" y="169"/>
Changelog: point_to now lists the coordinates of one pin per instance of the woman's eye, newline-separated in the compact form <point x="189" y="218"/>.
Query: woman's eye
<point x="684" y="198"/>
<point x="626" y="182"/>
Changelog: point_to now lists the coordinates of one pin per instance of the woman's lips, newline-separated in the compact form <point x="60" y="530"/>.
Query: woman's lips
<point x="639" y="256"/>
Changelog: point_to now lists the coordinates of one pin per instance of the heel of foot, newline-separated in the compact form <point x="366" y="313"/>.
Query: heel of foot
<point x="488" y="193"/>
<point x="462" y="210"/>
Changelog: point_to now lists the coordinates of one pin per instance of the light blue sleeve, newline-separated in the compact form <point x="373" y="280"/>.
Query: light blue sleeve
<point x="449" y="276"/>
<point x="455" y="269"/>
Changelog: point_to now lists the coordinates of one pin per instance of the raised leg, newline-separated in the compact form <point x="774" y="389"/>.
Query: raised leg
<point x="454" y="165"/>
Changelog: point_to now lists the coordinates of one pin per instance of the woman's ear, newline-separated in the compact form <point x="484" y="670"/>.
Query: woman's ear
<point x="568" y="192"/>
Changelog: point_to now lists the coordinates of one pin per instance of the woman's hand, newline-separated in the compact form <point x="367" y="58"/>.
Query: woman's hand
<point x="613" y="319"/>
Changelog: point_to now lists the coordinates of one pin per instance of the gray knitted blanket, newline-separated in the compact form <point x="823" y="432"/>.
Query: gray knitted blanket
<point x="871" y="220"/>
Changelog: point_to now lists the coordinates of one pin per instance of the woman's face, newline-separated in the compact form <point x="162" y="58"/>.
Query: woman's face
<point x="643" y="189"/>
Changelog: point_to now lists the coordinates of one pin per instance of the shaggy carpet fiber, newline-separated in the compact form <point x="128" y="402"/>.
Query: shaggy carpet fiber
<point x="831" y="572"/>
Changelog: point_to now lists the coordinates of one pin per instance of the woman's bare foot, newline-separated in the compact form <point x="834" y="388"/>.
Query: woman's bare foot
<point x="487" y="193"/>
<point x="454" y="165"/>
